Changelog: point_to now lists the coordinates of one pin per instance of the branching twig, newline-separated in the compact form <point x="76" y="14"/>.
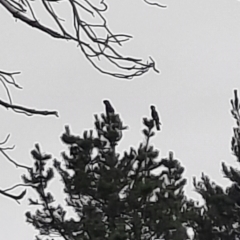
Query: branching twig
<point x="4" y="76"/>
<point x="14" y="197"/>
<point x="86" y="35"/>
<point x="3" y="149"/>
<point x="4" y="192"/>
<point x="8" y="78"/>
<point x="14" y="162"/>
<point x="18" y="185"/>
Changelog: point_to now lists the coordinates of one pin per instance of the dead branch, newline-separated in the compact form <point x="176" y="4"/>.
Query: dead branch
<point x="4" y="192"/>
<point x="155" y="4"/>
<point x="96" y="48"/>
<point x="7" y="78"/>
<point x="3" y="151"/>
<point x="27" y="111"/>
<point x="14" y="197"/>
<point x="18" y="185"/>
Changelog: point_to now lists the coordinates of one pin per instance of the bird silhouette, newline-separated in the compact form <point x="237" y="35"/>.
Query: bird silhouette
<point x="109" y="108"/>
<point x="155" y="117"/>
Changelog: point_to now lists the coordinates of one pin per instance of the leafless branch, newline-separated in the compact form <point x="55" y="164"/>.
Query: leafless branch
<point x="27" y="111"/>
<point x="8" y="79"/>
<point x="4" y="192"/>
<point x="14" y="162"/>
<point x="14" y="197"/>
<point x="97" y="49"/>
<point x="3" y="151"/>
<point x="155" y="4"/>
<point x="6" y="139"/>
<point x="18" y="185"/>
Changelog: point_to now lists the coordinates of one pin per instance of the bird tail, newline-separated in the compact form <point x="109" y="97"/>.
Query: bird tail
<point x="158" y="127"/>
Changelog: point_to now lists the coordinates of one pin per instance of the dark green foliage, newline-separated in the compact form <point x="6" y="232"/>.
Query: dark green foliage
<point x="214" y="219"/>
<point x="219" y="217"/>
<point x="118" y="197"/>
<point x="114" y="196"/>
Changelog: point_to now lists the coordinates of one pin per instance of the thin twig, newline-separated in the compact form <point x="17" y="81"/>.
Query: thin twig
<point x="14" y="197"/>
<point x="4" y="141"/>
<point x="14" y="162"/>
<point x="155" y="4"/>
<point x="16" y="186"/>
<point x="28" y="110"/>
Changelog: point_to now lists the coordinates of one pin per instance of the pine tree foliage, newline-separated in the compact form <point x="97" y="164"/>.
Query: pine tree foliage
<point x="114" y="196"/>
<point x="219" y="217"/>
<point x="214" y="219"/>
<point x="231" y="173"/>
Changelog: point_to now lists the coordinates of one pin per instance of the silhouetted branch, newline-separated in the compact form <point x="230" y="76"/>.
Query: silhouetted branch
<point x="3" y="149"/>
<point x="155" y="4"/>
<point x="4" y="192"/>
<point x="27" y="111"/>
<point x="96" y="48"/>
<point x="12" y="161"/>
<point x="8" y="78"/>
<point x="14" y="197"/>
<point x="18" y="185"/>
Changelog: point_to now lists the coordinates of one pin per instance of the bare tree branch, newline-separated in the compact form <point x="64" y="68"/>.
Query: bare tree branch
<point x="27" y="111"/>
<point x="4" y="192"/>
<point x="3" y="149"/>
<point x="97" y="49"/>
<point x="18" y="185"/>
<point x="155" y="4"/>
<point x="8" y="78"/>
<point x="14" y="197"/>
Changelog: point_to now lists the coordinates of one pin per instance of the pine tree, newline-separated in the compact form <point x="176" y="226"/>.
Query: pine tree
<point x="213" y="220"/>
<point x="114" y="196"/>
<point x="219" y="217"/>
<point x="234" y="174"/>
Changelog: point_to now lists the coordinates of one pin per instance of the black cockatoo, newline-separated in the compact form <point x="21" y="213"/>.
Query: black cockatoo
<point x="155" y="117"/>
<point x="109" y="108"/>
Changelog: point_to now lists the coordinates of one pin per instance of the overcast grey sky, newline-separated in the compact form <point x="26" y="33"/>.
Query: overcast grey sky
<point x="196" y="45"/>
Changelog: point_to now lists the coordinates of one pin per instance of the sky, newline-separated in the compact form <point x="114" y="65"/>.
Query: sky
<point x="196" y="46"/>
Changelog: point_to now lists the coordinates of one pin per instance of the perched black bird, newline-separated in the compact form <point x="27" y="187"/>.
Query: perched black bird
<point x="155" y="117"/>
<point x="109" y="108"/>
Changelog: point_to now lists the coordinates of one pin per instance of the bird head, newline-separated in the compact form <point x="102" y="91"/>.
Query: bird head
<point x="152" y="107"/>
